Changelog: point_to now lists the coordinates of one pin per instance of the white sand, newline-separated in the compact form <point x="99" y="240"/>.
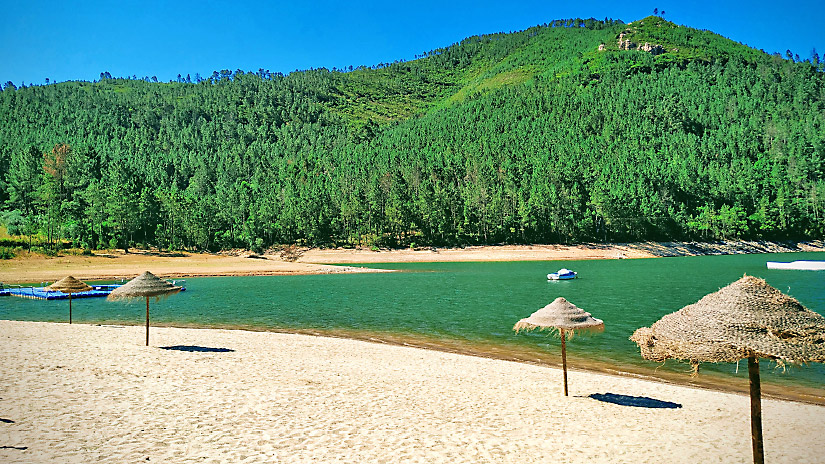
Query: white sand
<point x="82" y="393"/>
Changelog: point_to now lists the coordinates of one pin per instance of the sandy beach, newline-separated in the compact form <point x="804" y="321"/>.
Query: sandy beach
<point x="90" y="393"/>
<point x="85" y="393"/>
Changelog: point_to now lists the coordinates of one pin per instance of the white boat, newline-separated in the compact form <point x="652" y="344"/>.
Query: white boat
<point x="798" y="265"/>
<point x="562" y="274"/>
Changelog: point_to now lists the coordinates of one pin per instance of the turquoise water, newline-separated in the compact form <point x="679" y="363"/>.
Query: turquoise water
<point x="468" y="305"/>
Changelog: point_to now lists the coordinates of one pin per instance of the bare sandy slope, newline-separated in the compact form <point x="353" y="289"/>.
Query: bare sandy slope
<point x="553" y="252"/>
<point x="474" y="253"/>
<point x="112" y="265"/>
<point x="83" y="393"/>
<point x="117" y="265"/>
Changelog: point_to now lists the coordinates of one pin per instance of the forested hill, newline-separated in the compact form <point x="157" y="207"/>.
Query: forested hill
<point x="577" y="130"/>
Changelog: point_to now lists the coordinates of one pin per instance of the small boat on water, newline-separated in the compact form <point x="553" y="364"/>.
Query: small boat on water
<point x="798" y="265"/>
<point x="562" y="274"/>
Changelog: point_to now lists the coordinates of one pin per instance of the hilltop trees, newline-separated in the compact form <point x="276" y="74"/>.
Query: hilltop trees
<point x="535" y="136"/>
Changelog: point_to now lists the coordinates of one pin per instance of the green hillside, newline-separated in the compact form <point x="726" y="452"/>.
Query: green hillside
<point x="575" y="130"/>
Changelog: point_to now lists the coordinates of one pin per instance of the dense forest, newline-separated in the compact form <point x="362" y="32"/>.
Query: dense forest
<point x="575" y="130"/>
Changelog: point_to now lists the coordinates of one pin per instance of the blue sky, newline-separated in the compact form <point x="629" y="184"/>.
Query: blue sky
<point x="66" y="40"/>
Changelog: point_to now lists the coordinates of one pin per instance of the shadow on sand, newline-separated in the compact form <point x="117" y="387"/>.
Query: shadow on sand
<point x="197" y="349"/>
<point x="634" y="401"/>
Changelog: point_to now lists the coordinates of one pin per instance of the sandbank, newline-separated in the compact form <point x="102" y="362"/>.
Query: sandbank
<point x="114" y="265"/>
<point x="85" y="393"/>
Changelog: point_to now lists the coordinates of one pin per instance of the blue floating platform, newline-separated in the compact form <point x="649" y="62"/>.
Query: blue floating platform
<point x="40" y="293"/>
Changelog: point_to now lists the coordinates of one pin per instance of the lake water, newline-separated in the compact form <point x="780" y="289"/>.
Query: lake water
<point x="471" y="307"/>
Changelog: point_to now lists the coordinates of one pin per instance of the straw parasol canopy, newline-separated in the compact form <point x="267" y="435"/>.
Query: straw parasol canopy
<point x="145" y="285"/>
<point x="564" y="317"/>
<point x="69" y="285"/>
<point x="747" y="319"/>
<point x="560" y="315"/>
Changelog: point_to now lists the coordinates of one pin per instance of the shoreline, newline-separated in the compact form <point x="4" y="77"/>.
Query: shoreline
<point x="110" y="266"/>
<point x="583" y="251"/>
<point x="535" y="356"/>
<point x="86" y="393"/>
<point x="116" y="265"/>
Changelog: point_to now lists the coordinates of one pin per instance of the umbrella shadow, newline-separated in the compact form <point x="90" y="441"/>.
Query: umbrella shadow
<point x="197" y="349"/>
<point x="634" y="401"/>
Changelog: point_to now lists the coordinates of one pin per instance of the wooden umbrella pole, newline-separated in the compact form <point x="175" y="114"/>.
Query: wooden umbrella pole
<point x="147" y="321"/>
<point x="756" y="410"/>
<point x="564" y="361"/>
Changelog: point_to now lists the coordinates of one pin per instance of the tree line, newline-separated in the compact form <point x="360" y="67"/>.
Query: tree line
<point x="529" y="137"/>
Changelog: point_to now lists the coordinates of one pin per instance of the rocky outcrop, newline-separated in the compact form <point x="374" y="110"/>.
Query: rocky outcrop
<point x="653" y="49"/>
<point x="626" y="44"/>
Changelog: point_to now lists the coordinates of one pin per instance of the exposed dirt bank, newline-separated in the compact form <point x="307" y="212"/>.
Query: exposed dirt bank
<point x="113" y="265"/>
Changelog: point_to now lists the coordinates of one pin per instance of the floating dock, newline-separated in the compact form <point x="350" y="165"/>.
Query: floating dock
<point x="40" y="293"/>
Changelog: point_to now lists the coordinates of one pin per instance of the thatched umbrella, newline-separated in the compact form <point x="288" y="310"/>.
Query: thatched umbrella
<point x="145" y="285"/>
<point x="564" y="317"/>
<point x="69" y="285"/>
<point x="747" y="319"/>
